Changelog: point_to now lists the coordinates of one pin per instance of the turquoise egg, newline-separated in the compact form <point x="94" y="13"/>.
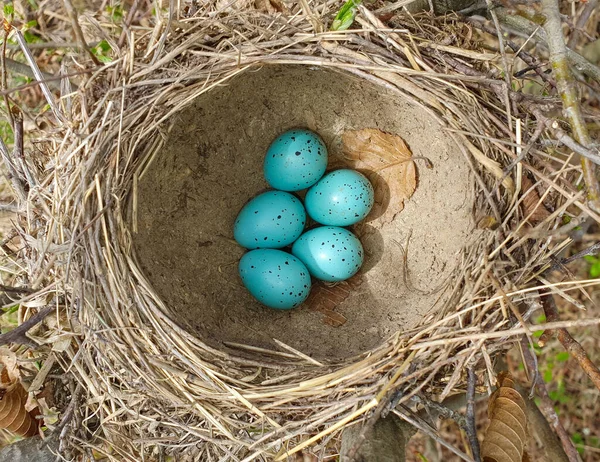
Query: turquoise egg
<point x="341" y="198"/>
<point x="271" y="220"/>
<point x="275" y="278"/>
<point x="330" y="253"/>
<point x="296" y="160"/>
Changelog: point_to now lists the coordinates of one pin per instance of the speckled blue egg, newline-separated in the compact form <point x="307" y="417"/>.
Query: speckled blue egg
<point x="271" y="220"/>
<point x="296" y="160"/>
<point x="340" y="198"/>
<point x="330" y="253"/>
<point x="275" y="278"/>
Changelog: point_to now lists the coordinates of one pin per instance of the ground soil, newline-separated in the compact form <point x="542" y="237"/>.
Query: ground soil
<point x="212" y="164"/>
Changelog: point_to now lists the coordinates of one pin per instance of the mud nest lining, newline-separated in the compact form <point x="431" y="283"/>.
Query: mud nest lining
<point x="171" y="351"/>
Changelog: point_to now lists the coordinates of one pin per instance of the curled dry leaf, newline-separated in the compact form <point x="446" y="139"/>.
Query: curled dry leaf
<point x="385" y="159"/>
<point x="506" y="436"/>
<point x="14" y="416"/>
<point x="532" y="205"/>
<point x="326" y="297"/>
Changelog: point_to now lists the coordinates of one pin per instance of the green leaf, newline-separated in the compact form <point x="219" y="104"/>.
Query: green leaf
<point x="548" y="377"/>
<point x="345" y="17"/>
<point x="9" y="10"/>
<point x="595" y="270"/>
<point x="540" y="319"/>
<point x="562" y="356"/>
<point x="590" y="259"/>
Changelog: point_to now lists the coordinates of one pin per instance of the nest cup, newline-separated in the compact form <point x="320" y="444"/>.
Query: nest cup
<point x="170" y="147"/>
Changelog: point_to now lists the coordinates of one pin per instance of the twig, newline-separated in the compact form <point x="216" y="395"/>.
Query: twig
<point x="581" y="22"/>
<point x="18" y="290"/>
<point x="18" y="334"/>
<point x="528" y="59"/>
<point x="507" y="74"/>
<point x="61" y="428"/>
<point x="570" y="344"/>
<point x="24" y="69"/>
<point x="78" y="32"/>
<point x="471" y="427"/>
<point x="591" y="250"/>
<point x="565" y="83"/>
<point x="546" y="404"/>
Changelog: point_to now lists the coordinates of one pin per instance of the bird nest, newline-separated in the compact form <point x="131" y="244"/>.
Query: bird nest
<point x="130" y="197"/>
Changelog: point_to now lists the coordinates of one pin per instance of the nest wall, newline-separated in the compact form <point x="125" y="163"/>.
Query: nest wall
<point x="154" y="387"/>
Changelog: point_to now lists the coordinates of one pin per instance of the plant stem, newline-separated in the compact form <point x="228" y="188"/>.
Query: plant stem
<point x="565" y="83"/>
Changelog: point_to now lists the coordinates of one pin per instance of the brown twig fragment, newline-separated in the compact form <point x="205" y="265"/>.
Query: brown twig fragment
<point x="571" y="345"/>
<point x="18" y="334"/>
<point x="546" y="405"/>
<point x="471" y="427"/>
<point x="565" y="83"/>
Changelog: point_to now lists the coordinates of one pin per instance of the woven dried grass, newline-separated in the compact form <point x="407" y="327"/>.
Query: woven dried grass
<point x="153" y="388"/>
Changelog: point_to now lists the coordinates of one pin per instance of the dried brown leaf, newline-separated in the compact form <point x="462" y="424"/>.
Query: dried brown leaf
<point x="531" y="202"/>
<point x="14" y="416"/>
<point x="325" y="297"/>
<point x="505" y="438"/>
<point x="385" y="160"/>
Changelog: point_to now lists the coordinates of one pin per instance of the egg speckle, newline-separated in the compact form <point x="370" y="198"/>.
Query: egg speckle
<point x="330" y="253"/>
<point x="341" y="198"/>
<point x="295" y="160"/>
<point x="275" y="278"/>
<point x="273" y="219"/>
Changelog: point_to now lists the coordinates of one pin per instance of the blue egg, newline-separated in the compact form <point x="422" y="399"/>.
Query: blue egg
<point x="275" y="278"/>
<point x="271" y="220"/>
<point x="330" y="253"/>
<point x="296" y="160"/>
<point x="340" y="198"/>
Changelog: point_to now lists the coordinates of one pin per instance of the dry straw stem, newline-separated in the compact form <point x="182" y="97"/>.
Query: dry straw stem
<point x="152" y="386"/>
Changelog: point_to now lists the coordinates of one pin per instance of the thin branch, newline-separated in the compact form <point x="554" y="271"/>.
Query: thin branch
<point x="18" y="290"/>
<point x="582" y="20"/>
<point x="18" y="334"/>
<point x="78" y="32"/>
<point x="24" y="69"/>
<point x="565" y="83"/>
<point x="471" y="427"/>
<point x="546" y="404"/>
<point x="571" y="345"/>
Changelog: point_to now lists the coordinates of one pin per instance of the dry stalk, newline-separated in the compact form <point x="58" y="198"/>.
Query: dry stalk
<point x="565" y="84"/>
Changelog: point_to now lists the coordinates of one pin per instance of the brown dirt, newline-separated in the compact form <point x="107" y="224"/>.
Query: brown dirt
<point x="212" y="164"/>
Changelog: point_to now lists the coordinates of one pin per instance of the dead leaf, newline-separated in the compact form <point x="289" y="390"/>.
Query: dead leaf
<point x="532" y="205"/>
<point x="325" y="297"/>
<point x="271" y="6"/>
<point x="385" y="160"/>
<point x="506" y="436"/>
<point x="14" y="416"/>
